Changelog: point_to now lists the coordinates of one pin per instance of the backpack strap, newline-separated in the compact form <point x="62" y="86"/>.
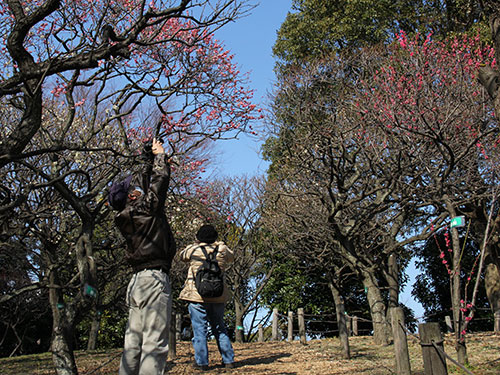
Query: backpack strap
<point x="212" y="255"/>
<point x="206" y="257"/>
<point x="204" y="251"/>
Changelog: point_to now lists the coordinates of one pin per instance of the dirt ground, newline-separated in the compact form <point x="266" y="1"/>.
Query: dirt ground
<point x="284" y="358"/>
<point x="325" y="357"/>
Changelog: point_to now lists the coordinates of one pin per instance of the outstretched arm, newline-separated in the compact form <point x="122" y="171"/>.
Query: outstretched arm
<point x="160" y="177"/>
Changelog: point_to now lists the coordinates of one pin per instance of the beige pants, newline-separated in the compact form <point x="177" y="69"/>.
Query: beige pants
<point x="146" y="339"/>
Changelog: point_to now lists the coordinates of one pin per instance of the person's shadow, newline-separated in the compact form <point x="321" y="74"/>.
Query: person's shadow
<point x="260" y="360"/>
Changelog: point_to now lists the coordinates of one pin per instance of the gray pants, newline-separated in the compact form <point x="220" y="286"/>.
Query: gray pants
<point x="146" y="339"/>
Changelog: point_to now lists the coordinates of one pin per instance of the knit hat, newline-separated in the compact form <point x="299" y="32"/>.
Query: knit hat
<point x="118" y="192"/>
<point x="207" y="234"/>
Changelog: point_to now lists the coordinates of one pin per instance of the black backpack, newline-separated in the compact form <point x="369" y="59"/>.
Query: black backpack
<point x="209" y="279"/>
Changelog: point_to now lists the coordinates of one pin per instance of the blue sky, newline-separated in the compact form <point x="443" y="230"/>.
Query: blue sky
<point x="251" y="40"/>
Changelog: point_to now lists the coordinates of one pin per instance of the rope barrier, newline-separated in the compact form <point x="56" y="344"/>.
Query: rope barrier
<point x="319" y="315"/>
<point x="321" y="321"/>
<point x="318" y="332"/>
<point x="451" y="359"/>
<point x="490" y="362"/>
<point x="435" y="344"/>
<point x="408" y="332"/>
<point x="364" y="320"/>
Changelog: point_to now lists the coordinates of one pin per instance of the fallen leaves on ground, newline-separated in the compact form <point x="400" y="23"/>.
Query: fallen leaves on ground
<point x="284" y="358"/>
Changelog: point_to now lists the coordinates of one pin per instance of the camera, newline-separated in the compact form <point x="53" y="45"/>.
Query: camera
<point x="147" y="150"/>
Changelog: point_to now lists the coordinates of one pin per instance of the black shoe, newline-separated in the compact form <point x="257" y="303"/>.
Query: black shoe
<point x="229" y="365"/>
<point x="200" y="367"/>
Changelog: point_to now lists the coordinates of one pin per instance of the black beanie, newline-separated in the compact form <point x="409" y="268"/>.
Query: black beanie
<point x="118" y="192"/>
<point x="207" y="234"/>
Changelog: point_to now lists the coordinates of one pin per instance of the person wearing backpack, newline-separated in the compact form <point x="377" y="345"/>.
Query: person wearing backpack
<point x="208" y="258"/>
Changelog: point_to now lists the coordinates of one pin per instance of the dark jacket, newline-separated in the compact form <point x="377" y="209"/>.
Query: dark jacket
<point x="143" y="222"/>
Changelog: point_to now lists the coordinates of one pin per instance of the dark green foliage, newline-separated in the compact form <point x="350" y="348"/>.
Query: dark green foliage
<point x="297" y="284"/>
<point x="317" y="28"/>
<point x="25" y="320"/>
<point x="25" y="325"/>
<point x="111" y="332"/>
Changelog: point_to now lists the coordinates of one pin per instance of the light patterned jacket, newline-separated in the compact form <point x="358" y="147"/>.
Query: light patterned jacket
<point x="194" y="255"/>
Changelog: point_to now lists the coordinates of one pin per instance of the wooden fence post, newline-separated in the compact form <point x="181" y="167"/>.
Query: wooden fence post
<point x="261" y="333"/>
<point x="178" y="326"/>
<point x="302" y="326"/>
<point x="275" y="325"/>
<point x="290" y="326"/>
<point x="400" y="341"/>
<point x="449" y="325"/>
<point x="497" y="321"/>
<point x="434" y="360"/>
<point x="355" y="326"/>
<point x="172" y="350"/>
<point x="349" y="325"/>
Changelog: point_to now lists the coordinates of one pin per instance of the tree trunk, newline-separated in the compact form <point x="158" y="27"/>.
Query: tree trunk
<point x="392" y="277"/>
<point x="62" y="330"/>
<point x="456" y="288"/>
<point x="64" y="311"/>
<point x="62" y="350"/>
<point x="393" y="281"/>
<point x="238" y="331"/>
<point x="381" y="331"/>
<point x="381" y="328"/>
<point x="94" y="331"/>
<point x="492" y="282"/>
<point x="341" y="319"/>
<point x="88" y="276"/>
<point x="458" y="322"/>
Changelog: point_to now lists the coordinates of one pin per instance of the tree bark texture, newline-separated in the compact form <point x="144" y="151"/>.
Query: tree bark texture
<point x="393" y="281"/>
<point x="456" y="289"/>
<point x="381" y="331"/>
<point x="492" y="278"/>
<point x="342" y="320"/>
<point x="238" y="333"/>
<point x="492" y="284"/>
<point x="94" y="332"/>
<point x="62" y="330"/>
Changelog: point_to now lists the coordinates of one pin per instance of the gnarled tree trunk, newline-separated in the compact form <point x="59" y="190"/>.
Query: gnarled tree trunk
<point x="62" y="329"/>
<point x="341" y="319"/>
<point x="381" y="331"/>
<point x="64" y="310"/>
<point x="94" y="331"/>
<point x="492" y="281"/>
